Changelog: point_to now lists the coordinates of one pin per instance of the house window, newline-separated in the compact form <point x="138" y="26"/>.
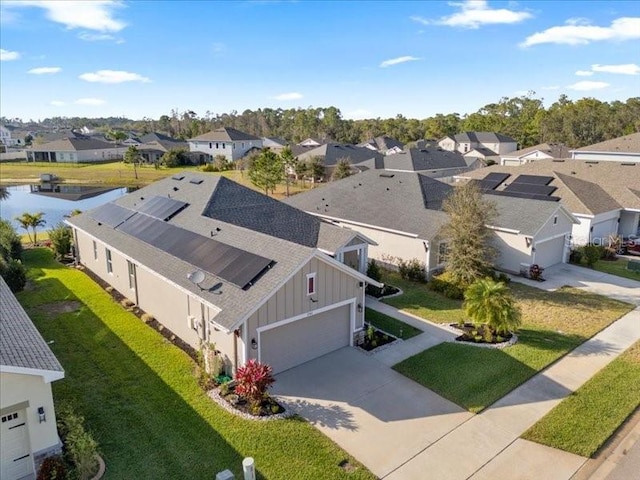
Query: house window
<point x="242" y="144"/>
<point x="217" y="146"/>
<point x="95" y="250"/>
<point x="132" y="275"/>
<point x="109" y="262"/>
<point x="210" y="145"/>
<point x="443" y="250"/>
<point x="311" y="283"/>
<point x="555" y="220"/>
<point x="224" y="146"/>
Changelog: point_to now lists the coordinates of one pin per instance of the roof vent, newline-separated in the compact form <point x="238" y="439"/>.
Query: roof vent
<point x="196" y="181"/>
<point x="175" y="189"/>
<point x="573" y="173"/>
<point x="593" y="162"/>
<point x="558" y="160"/>
<point x="178" y="177"/>
<point x="628" y="164"/>
<point x="387" y="175"/>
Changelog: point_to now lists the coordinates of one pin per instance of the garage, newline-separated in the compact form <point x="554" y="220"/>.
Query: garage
<point x="16" y="458"/>
<point x="550" y="252"/>
<point x="295" y="342"/>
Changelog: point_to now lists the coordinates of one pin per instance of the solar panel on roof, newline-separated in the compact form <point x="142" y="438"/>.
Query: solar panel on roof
<point x="487" y="184"/>
<point x="536" y="189"/>
<point x="533" y="179"/>
<point x="497" y="177"/>
<point x="232" y="264"/>
<point x="162" y="208"/>
<point x="110" y="214"/>
<point x="529" y="196"/>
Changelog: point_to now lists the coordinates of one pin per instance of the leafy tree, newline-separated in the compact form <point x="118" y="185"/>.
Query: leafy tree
<point x="490" y="303"/>
<point x="342" y="170"/>
<point x="289" y="162"/>
<point x="117" y="136"/>
<point x="132" y="155"/>
<point x="60" y="237"/>
<point x="31" y="221"/>
<point x="10" y="244"/>
<point x="28" y="139"/>
<point x="316" y="168"/>
<point x="4" y="193"/>
<point x="14" y="273"/>
<point x="220" y="163"/>
<point x="470" y="254"/>
<point x="266" y="171"/>
<point x="174" y="158"/>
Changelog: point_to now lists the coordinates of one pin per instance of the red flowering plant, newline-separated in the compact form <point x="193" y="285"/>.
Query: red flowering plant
<point x="252" y="381"/>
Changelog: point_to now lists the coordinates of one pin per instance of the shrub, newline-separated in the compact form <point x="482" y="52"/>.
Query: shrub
<point x="575" y="256"/>
<point x="253" y="379"/>
<point x="146" y="317"/>
<point x="445" y="285"/>
<point x="10" y="244"/>
<point x="490" y="303"/>
<point x="208" y="168"/>
<point x="608" y="253"/>
<point x="592" y="253"/>
<point x="52" y="468"/>
<point x="126" y="303"/>
<point x="14" y="273"/>
<point x="79" y="444"/>
<point x="373" y="271"/>
<point x="412" y="270"/>
<point x="60" y="237"/>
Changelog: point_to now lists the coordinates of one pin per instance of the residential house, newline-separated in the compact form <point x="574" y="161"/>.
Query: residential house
<point x="485" y="144"/>
<point x="28" y="431"/>
<point x="229" y="142"/>
<point x="274" y="143"/>
<point x="217" y="262"/>
<point x="621" y="149"/>
<point x="603" y="196"/>
<point x="402" y="213"/>
<point x="432" y="161"/>
<point x="537" y="152"/>
<point x="75" y="149"/>
<point x="314" y="141"/>
<point x="154" y="145"/>
<point x="383" y="144"/>
<point x="331" y="154"/>
<point x="8" y="138"/>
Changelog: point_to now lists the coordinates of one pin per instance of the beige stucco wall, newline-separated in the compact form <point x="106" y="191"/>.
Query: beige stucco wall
<point x="15" y="389"/>
<point x="549" y="230"/>
<point x="291" y="300"/>
<point x="511" y="251"/>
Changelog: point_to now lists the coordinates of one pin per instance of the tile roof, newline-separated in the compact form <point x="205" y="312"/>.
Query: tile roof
<point x="628" y="143"/>
<point x="227" y="227"/>
<point x="332" y="153"/>
<point x="73" y="144"/>
<point x="224" y="134"/>
<point x="554" y="150"/>
<point x="21" y="345"/>
<point x="416" y="160"/>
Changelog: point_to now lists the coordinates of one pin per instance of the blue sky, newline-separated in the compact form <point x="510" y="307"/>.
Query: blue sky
<point x="370" y="59"/>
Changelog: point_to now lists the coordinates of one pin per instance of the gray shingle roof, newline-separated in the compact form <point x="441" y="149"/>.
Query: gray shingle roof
<point x="594" y="198"/>
<point x="628" y="143"/>
<point x="417" y="160"/>
<point x="21" y="345"/>
<point x="72" y="144"/>
<point x="482" y="137"/>
<point x="332" y="153"/>
<point x="157" y="137"/>
<point x="554" y="150"/>
<point x="234" y="302"/>
<point x="521" y="214"/>
<point x="224" y="134"/>
<point x="487" y="152"/>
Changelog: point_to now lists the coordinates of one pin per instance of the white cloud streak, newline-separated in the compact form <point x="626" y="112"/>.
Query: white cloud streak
<point x="8" y="55"/>
<point x="44" y="70"/>
<point x="577" y="32"/>
<point x="623" y="69"/>
<point x="584" y="73"/>
<point x="398" y="61"/>
<point x="475" y="13"/>
<point x="57" y="103"/>
<point x="113" y="76"/>
<point x="289" y="96"/>
<point x="587" y="86"/>
<point x="91" y="102"/>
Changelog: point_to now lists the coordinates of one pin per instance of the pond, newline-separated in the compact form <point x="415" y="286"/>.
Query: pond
<point x="54" y="200"/>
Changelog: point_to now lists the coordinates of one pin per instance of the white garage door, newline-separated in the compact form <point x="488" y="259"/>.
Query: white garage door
<point x="550" y="252"/>
<point x="511" y="163"/>
<point x="297" y="342"/>
<point x="16" y="461"/>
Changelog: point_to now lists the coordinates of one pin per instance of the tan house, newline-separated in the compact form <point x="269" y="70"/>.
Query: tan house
<point x="537" y="152"/>
<point x="621" y="149"/>
<point x="76" y="150"/>
<point x="486" y="144"/>
<point x="28" y="430"/>
<point x="218" y="263"/>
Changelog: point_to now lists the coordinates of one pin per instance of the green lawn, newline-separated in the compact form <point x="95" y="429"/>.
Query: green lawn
<point x="584" y="421"/>
<point x="391" y="325"/>
<point x="141" y="399"/>
<point x="616" y="267"/>
<point x="553" y="323"/>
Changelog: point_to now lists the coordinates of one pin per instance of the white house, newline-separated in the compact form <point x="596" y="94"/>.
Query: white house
<point x="28" y="432"/>
<point x="383" y="144"/>
<point x="229" y="142"/>
<point x="621" y="149"/>
<point x="76" y="150"/>
<point x="465" y="142"/>
<point x="537" y="152"/>
<point x="6" y="138"/>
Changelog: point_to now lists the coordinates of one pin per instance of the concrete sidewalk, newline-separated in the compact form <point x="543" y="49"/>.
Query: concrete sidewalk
<point x="432" y="336"/>
<point x="488" y="445"/>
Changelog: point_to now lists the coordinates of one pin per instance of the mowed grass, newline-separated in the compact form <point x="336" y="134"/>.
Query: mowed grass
<point x="553" y="323"/>
<point x="142" y="402"/>
<point x="391" y="325"/>
<point x="617" y="267"/>
<point x="586" y="419"/>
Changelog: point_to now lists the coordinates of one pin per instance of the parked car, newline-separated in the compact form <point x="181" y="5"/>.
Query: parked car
<point x="630" y="245"/>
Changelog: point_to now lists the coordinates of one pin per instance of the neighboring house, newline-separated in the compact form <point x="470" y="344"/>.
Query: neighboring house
<point x="432" y="161"/>
<point x="402" y="213"/>
<point x="385" y="145"/>
<point x="314" y="141"/>
<point x="7" y="138"/>
<point x="28" y="431"/>
<point x="494" y="143"/>
<point x="604" y="197"/>
<point x="360" y="158"/>
<point x="75" y="150"/>
<point x="274" y="143"/>
<point x="154" y="145"/>
<point x="537" y="152"/>
<point x="216" y="262"/>
<point x="621" y="149"/>
<point x="229" y="142"/>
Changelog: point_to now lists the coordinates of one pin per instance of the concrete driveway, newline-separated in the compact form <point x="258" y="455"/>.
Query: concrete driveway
<point x="377" y="415"/>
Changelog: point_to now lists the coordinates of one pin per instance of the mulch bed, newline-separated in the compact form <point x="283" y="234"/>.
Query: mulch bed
<point x="379" y="339"/>
<point x="473" y="334"/>
<point x="381" y="292"/>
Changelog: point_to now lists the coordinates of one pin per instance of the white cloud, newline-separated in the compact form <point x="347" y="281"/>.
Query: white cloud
<point x="44" y="70"/>
<point x="99" y="37"/>
<point x="113" y="76"/>
<point x="6" y="55"/>
<point x="474" y="14"/>
<point x="92" y="102"/>
<point x="57" y="103"/>
<point x="580" y="33"/>
<point x="398" y="60"/>
<point x="587" y="85"/>
<point x="95" y="15"/>
<point x="623" y="69"/>
<point x="551" y="87"/>
<point x="584" y="73"/>
<point x="289" y="96"/>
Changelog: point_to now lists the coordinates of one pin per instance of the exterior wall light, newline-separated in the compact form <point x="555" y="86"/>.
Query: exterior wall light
<point x="359" y="308"/>
<point x="41" y="416"/>
<point x="254" y="344"/>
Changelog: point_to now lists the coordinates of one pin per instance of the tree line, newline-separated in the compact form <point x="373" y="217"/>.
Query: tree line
<point x="524" y="118"/>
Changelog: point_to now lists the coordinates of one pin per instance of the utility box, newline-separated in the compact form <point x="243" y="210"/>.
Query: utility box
<point x="225" y="475"/>
<point x="249" y="468"/>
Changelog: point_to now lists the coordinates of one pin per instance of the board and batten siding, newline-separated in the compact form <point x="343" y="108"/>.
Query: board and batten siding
<point x="291" y="300"/>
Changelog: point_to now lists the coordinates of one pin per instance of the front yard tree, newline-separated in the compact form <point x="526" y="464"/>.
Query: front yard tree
<point x="316" y="168"/>
<point x="342" y="170"/>
<point x="31" y="221"/>
<point x="266" y="171"/>
<point x="490" y="303"/>
<point x="132" y="155"/>
<point x="289" y="163"/>
<point x="470" y="254"/>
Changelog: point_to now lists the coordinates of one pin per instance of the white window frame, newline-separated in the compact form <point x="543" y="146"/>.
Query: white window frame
<point x="107" y="253"/>
<point x="312" y="277"/>
<point x="132" y="274"/>
<point x="95" y="251"/>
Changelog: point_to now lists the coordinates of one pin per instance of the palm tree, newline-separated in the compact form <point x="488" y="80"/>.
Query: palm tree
<point x="33" y="221"/>
<point x="4" y="193"/>
<point x="490" y="303"/>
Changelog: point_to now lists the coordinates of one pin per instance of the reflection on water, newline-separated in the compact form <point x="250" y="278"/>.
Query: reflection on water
<point x="54" y="200"/>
